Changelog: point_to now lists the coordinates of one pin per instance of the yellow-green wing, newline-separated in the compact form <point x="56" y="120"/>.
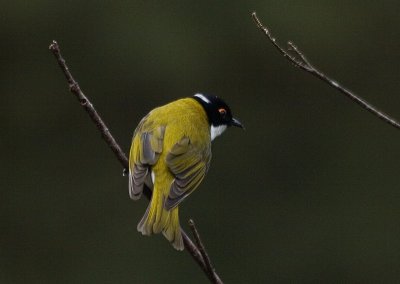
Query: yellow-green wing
<point x="146" y="148"/>
<point x="189" y="166"/>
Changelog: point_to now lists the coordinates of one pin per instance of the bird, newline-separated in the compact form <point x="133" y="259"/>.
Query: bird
<point x="171" y="153"/>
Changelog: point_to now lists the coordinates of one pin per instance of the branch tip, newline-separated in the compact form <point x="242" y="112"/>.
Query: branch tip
<point x="204" y="254"/>
<point x="301" y="61"/>
<point x="54" y="46"/>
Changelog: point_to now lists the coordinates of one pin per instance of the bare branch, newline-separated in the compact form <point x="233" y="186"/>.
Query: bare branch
<point x="301" y="61"/>
<point x="120" y="155"/>
<point x="202" y="249"/>
<point x="88" y="106"/>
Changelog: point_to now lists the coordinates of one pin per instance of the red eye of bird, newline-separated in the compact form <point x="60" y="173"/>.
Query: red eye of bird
<point x="222" y="111"/>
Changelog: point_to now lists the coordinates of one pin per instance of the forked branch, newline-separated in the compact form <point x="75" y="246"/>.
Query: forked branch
<point x="298" y="59"/>
<point x="112" y="143"/>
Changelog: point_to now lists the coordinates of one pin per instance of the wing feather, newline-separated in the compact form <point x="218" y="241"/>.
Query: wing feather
<point x="189" y="166"/>
<point x="145" y="151"/>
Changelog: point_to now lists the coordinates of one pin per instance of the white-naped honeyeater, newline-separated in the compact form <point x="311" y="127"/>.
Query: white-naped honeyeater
<point x="171" y="153"/>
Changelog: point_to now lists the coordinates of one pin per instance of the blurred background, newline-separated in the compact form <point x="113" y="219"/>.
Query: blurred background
<point x="309" y="193"/>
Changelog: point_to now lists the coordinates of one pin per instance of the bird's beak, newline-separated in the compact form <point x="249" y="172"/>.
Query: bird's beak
<point x="237" y="123"/>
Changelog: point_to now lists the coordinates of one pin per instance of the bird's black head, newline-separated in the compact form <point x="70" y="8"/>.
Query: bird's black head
<point x="218" y="112"/>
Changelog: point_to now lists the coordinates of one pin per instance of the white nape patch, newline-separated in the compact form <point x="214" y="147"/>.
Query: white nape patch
<point x="203" y="98"/>
<point x="217" y="131"/>
<point x="153" y="177"/>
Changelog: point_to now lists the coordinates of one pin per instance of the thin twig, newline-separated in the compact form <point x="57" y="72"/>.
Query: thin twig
<point x="301" y="61"/>
<point x="203" y="251"/>
<point x="112" y="143"/>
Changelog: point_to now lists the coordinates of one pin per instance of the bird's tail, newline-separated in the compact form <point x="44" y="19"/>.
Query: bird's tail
<point x="157" y="219"/>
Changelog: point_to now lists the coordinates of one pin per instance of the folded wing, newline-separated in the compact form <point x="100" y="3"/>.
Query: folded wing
<point x="147" y="147"/>
<point x="189" y="164"/>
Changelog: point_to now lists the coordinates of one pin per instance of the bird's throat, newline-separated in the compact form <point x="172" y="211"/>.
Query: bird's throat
<point x="216" y="131"/>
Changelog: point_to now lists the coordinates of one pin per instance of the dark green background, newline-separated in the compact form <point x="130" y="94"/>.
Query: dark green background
<point x="308" y="194"/>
